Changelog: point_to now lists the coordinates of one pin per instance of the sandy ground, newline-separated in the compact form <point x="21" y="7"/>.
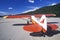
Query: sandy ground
<point x="10" y="32"/>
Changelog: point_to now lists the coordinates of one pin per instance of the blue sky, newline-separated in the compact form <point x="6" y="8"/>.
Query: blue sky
<point x="23" y="6"/>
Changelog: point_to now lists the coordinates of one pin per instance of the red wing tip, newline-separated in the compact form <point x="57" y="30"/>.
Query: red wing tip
<point x="5" y="16"/>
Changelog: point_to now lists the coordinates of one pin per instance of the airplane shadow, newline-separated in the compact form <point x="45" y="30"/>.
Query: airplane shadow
<point x="49" y="33"/>
<point x="20" y="24"/>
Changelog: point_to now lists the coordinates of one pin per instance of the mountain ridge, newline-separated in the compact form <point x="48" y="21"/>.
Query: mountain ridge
<point x="46" y="10"/>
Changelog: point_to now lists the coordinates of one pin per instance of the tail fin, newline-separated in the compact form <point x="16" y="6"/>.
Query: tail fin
<point x="42" y="23"/>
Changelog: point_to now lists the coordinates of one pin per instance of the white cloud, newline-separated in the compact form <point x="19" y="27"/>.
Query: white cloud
<point x="31" y="10"/>
<point x="53" y="4"/>
<point x="10" y="8"/>
<point x="3" y="13"/>
<point x="31" y="1"/>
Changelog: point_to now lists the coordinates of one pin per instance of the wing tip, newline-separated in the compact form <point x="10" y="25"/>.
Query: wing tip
<point x="5" y="16"/>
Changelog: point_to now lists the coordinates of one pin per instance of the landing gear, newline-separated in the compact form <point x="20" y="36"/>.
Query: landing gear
<point x="27" y="22"/>
<point x="43" y="34"/>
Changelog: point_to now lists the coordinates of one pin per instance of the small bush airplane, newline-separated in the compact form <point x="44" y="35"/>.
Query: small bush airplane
<point x="42" y="26"/>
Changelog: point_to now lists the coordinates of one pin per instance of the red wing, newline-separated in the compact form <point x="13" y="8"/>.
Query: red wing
<point x="27" y="16"/>
<point x="32" y="28"/>
<point x="53" y="26"/>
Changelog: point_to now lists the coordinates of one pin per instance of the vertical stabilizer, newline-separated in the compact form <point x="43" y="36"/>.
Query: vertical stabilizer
<point x="42" y="22"/>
